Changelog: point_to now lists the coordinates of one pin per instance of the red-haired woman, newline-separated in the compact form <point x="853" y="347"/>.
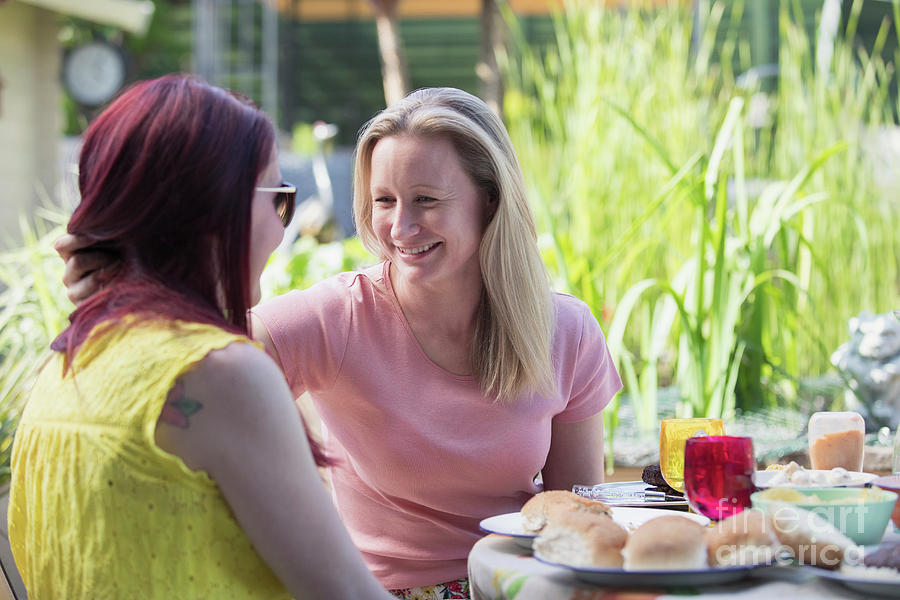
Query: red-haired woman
<point x="160" y="454"/>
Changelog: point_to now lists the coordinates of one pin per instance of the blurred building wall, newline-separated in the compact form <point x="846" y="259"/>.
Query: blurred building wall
<point x="30" y="117"/>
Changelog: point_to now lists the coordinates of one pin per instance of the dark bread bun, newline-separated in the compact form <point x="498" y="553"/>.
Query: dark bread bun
<point x="652" y="475"/>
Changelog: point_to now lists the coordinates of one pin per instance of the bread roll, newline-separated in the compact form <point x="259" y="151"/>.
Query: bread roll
<point x="582" y="539"/>
<point x="666" y="544"/>
<point x="744" y="539"/>
<point x="545" y="506"/>
<point x="812" y="539"/>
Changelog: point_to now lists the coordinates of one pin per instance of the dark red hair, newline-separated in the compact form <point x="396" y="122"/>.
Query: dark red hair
<point x="167" y="175"/>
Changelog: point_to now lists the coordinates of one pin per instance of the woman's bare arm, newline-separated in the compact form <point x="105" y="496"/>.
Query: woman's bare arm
<point x="576" y="454"/>
<point x="245" y="432"/>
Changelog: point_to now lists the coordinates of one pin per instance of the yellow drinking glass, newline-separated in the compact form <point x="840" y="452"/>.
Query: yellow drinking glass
<point x="672" y="435"/>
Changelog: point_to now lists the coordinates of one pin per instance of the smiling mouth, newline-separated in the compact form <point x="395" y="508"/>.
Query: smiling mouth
<point x="418" y="250"/>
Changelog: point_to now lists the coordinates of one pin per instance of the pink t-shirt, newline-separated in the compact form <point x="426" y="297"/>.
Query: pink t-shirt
<point x="422" y="454"/>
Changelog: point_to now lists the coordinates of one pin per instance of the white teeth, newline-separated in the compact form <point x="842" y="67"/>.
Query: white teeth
<point x="418" y="250"/>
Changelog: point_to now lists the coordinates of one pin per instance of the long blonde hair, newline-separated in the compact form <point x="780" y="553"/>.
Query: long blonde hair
<point x="514" y="326"/>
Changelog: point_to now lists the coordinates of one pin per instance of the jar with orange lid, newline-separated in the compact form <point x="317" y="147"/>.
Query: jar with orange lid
<point x="836" y="439"/>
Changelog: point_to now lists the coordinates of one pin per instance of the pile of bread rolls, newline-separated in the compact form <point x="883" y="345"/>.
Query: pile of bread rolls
<point x="578" y="532"/>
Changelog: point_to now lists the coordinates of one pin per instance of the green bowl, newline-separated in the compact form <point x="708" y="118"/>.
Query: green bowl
<point x="864" y="523"/>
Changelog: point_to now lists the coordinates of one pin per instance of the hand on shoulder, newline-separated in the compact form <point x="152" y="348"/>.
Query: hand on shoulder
<point x="86" y="271"/>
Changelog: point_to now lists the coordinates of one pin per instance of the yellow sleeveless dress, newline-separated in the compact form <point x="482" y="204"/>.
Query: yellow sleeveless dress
<point x="97" y="509"/>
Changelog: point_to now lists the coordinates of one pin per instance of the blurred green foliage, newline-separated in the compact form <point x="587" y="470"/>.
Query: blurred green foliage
<point x="307" y="262"/>
<point x="33" y="310"/>
<point x="733" y="226"/>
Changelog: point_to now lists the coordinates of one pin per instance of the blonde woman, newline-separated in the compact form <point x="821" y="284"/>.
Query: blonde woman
<point x="448" y="375"/>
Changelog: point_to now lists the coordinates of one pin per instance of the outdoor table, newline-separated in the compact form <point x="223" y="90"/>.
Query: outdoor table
<point x="500" y="569"/>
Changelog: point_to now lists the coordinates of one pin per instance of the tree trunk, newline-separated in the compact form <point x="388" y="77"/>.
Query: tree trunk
<point x="493" y="40"/>
<point x="394" y="72"/>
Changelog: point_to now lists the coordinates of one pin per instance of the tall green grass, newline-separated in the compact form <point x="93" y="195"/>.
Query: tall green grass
<point x="33" y="310"/>
<point x="722" y="233"/>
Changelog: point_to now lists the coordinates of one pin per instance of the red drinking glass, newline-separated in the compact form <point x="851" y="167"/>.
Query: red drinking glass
<point x="718" y="474"/>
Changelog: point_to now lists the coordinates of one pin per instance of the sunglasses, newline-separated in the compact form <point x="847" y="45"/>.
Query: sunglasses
<point x="285" y="196"/>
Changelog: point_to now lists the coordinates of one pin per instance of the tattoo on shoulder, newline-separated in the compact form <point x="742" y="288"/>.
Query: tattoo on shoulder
<point x="179" y="407"/>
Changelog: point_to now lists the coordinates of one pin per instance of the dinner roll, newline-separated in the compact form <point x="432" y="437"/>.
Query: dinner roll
<point x="582" y="539"/>
<point x="746" y="538"/>
<point x="545" y="506"/>
<point x="812" y="539"/>
<point x="666" y="544"/>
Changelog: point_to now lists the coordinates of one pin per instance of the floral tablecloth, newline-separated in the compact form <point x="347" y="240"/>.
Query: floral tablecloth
<point x="499" y="569"/>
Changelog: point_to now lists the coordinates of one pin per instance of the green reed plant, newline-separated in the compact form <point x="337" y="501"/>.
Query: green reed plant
<point x="33" y="310"/>
<point x="849" y="103"/>
<point x="601" y="120"/>
<point x="729" y="273"/>
<point x="623" y="126"/>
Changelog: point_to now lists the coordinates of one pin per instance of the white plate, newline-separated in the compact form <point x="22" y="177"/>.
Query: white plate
<point x="510" y="525"/>
<point x="630" y="518"/>
<point x="878" y="587"/>
<point x="762" y="479"/>
<point x="623" y="578"/>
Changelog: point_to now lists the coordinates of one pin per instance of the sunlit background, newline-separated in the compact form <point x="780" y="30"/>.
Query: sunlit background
<point x="719" y="181"/>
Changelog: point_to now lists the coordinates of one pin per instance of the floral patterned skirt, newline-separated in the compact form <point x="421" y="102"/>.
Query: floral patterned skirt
<point x="452" y="590"/>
